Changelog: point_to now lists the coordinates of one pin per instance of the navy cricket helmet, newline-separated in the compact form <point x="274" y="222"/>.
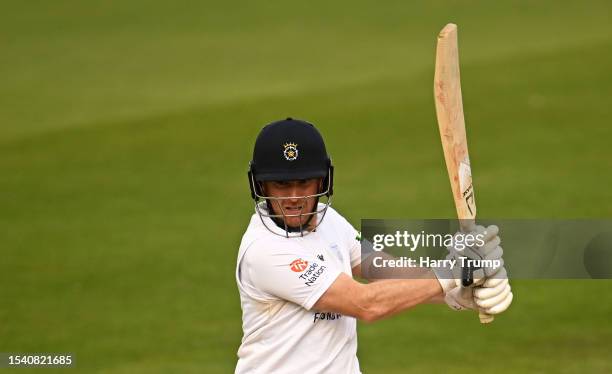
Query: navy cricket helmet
<point x="286" y="150"/>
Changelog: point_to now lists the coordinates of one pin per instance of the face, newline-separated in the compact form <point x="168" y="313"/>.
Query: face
<point x="295" y="205"/>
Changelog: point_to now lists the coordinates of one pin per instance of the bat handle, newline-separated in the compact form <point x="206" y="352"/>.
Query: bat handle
<point x="485" y="318"/>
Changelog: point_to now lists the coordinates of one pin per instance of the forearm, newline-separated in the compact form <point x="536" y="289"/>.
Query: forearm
<point x="438" y="299"/>
<point x="382" y="275"/>
<point x="387" y="297"/>
<point x="373" y="301"/>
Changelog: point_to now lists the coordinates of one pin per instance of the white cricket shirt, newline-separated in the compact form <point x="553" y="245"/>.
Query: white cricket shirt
<point x="279" y="280"/>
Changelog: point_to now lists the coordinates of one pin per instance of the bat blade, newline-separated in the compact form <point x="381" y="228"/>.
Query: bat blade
<point x="451" y="122"/>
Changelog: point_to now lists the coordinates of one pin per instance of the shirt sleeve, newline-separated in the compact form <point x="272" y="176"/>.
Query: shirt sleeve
<point x="352" y="239"/>
<point x="290" y="273"/>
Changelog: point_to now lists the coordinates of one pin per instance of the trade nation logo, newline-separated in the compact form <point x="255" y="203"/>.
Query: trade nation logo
<point x="298" y="265"/>
<point x="290" y="151"/>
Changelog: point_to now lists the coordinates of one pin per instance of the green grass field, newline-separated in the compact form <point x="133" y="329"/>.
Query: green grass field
<point x="126" y="129"/>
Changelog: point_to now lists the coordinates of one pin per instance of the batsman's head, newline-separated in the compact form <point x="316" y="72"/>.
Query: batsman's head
<point x="289" y="173"/>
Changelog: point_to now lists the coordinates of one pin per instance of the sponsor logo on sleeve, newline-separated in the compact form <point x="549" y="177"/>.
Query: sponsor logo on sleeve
<point x="313" y="273"/>
<point x="298" y="265"/>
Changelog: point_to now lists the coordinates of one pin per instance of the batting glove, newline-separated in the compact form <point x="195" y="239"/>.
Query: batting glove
<point x="493" y="297"/>
<point x="489" y="250"/>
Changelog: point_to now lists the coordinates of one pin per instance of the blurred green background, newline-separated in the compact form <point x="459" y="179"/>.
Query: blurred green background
<point x="126" y="128"/>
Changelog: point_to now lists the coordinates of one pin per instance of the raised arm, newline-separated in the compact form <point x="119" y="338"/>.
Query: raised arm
<point x="377" y="300"/>
<point x="367" y="271"/>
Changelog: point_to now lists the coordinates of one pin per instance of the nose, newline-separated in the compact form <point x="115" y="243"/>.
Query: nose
<point x="294" y="193"/>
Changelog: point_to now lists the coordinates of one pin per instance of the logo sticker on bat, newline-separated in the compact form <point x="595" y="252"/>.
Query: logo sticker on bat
<point x="465" y="183"/>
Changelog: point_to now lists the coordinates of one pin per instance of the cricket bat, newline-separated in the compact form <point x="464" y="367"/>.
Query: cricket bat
<point x="449" y="110"/>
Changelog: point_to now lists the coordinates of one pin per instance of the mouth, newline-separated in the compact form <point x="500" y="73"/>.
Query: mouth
<point x="292" y="209"/>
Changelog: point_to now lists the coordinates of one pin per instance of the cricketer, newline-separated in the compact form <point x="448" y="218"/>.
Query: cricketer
<point x="299" y="258"/>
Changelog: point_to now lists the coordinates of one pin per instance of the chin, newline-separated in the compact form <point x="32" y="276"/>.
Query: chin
<point x="295" y="224"/>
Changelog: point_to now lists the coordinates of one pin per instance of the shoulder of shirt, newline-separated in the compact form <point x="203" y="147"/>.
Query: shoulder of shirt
<point x="336" y="218"/>
<point x="332" y="212"/>
<point x="258" y="239"/>
<point x="263" y="249"/>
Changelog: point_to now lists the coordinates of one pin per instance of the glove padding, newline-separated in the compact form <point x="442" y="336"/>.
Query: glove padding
<point x="493" y="297"/>
<point x="490" y="250"/>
